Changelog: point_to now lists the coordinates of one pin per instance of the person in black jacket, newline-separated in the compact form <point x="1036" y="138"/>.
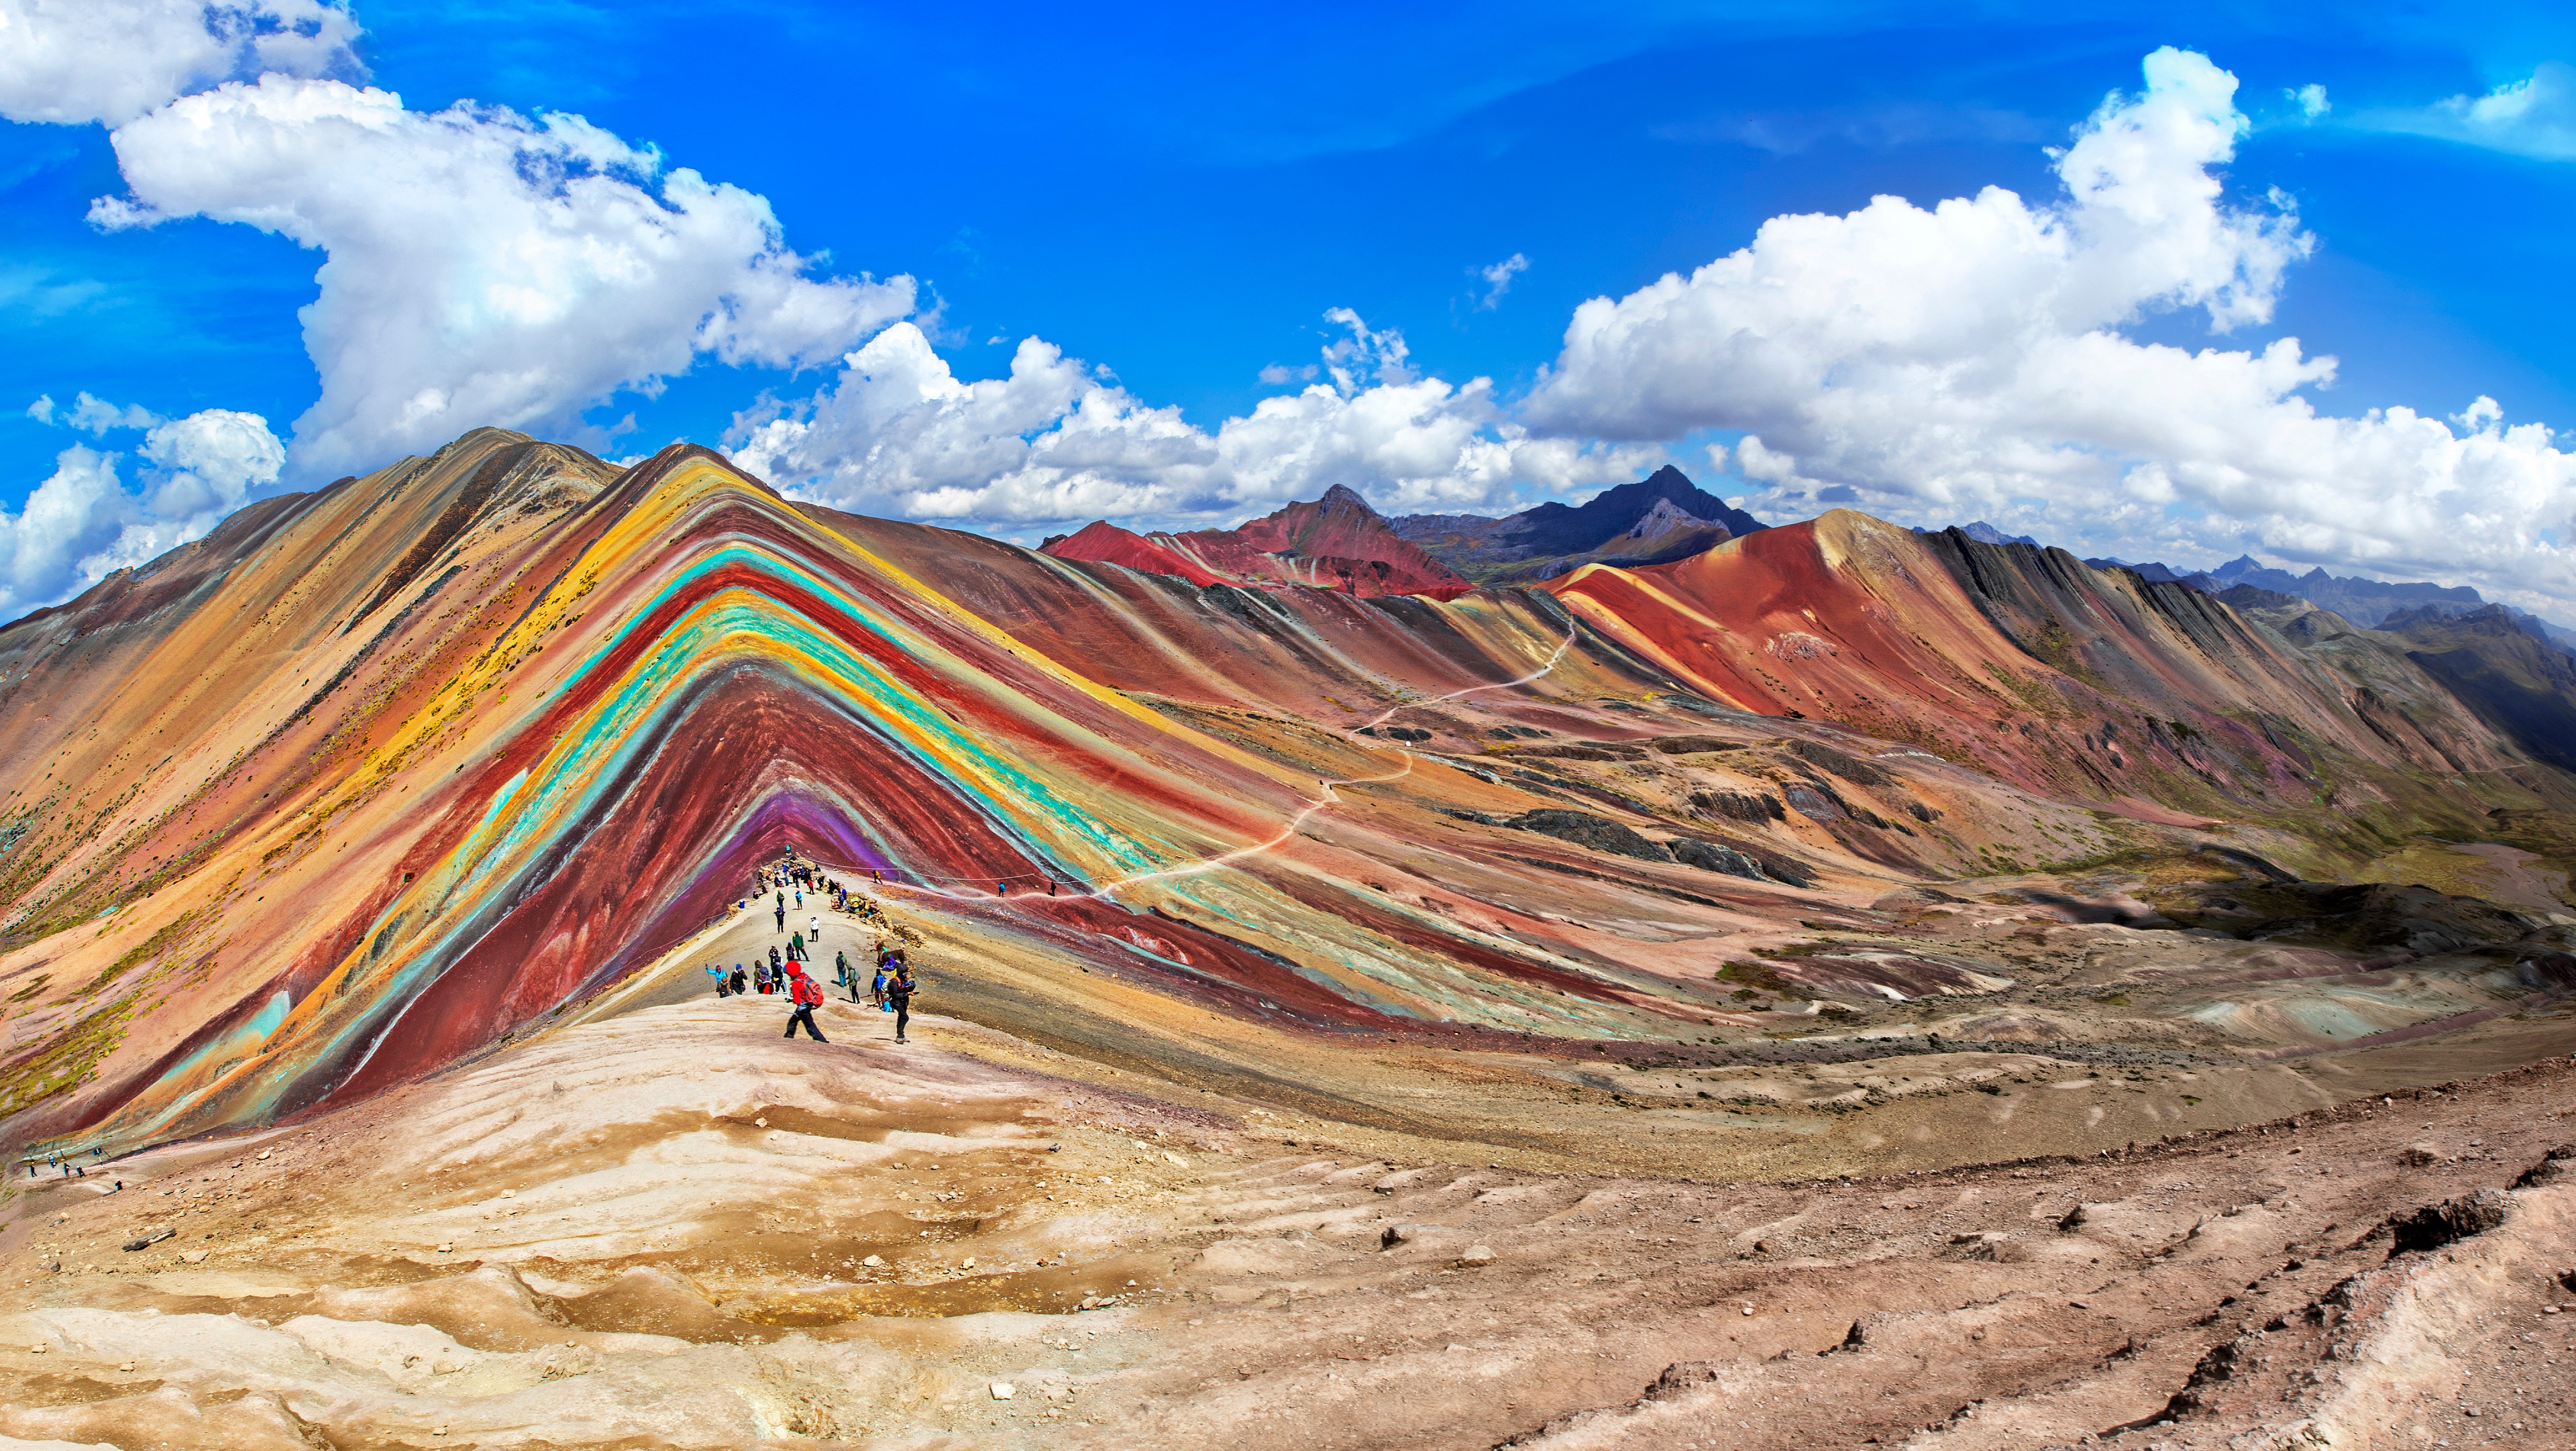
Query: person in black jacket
<point x="899" y="990"/>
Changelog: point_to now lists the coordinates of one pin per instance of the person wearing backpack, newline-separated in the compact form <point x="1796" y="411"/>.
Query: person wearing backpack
<point x="805" y="994"/>
<point x="899" y="990"/>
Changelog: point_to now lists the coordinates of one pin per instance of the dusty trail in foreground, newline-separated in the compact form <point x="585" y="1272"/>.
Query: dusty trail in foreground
<point x="671" y="1228"/>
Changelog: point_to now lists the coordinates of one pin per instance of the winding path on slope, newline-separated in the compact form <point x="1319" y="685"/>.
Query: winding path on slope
<point x="929" y="886"/>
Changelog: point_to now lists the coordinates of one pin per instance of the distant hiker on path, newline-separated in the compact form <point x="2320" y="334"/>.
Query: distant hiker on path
<point x="806" y="995"/>
<point x="796" y="947"/>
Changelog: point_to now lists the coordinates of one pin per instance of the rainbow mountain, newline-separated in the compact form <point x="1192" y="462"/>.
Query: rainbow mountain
<point x="372" y="780"/>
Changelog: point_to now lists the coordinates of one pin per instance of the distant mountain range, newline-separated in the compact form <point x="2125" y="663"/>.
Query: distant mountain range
<point x="1339" y="542"/>
<point x="2370" y="603"/>
<point x="1336" y="542"/>
<point x="1659" y="518"/>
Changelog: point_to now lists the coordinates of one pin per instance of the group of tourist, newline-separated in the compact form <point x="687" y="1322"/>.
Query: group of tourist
<point x="784" y="969"/>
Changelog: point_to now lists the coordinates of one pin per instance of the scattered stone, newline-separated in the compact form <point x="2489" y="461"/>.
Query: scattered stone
<point x="873" y="1261"/>
<point x="1477" y="1256"/>
<point x="2071" y="1220"/>
<point x="2418" y="1156"/>
<point x="192" y="1256"/>
<point x="148" y="1240"/>
<point x="1681" y="1375"/>
<point x="1003" y="1390"/>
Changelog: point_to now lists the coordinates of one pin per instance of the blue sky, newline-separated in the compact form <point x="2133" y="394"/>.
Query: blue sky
<point x="1178" y="195"/>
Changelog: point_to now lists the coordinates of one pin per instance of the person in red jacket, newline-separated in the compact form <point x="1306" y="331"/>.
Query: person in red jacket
<point x="805" y="995"/>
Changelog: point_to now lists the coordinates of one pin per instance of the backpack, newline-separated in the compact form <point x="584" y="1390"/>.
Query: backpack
<point x="806" y="994"/>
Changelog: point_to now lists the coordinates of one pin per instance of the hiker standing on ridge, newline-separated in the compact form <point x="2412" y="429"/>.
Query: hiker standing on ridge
<point x="804" y="995"/>
<point x="796" y="947"/>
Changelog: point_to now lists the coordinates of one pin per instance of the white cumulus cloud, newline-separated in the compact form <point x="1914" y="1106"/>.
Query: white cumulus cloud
<point x="1056" y="440"/>
<point x="1971" y="360"/>
<point x="82" y="522"/>
<point x="483" y="267"/>
<point x="75" y="61"/>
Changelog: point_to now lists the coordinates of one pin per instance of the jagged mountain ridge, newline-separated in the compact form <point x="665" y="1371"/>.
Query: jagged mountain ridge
<point x="2027" y="663"/>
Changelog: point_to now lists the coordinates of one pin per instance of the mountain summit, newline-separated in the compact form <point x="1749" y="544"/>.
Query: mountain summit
<point x="1660" y="518"/>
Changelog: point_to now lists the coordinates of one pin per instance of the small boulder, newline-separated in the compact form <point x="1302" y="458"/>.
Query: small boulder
<point x="1477" y="1256"/>
<point x="1003" y="1390"/>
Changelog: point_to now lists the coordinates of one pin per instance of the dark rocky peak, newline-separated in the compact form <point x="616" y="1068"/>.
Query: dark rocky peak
<point x="1554" y="528"/>
<point x="1343" y="496"/>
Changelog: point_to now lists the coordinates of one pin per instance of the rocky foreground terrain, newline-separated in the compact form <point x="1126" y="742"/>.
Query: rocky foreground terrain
<point x="664" y="1226"/>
